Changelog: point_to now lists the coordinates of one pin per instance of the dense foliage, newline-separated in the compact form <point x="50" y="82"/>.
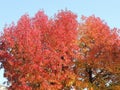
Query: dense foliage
<point x="99" y="47"/>
<point x="59" y="53"/>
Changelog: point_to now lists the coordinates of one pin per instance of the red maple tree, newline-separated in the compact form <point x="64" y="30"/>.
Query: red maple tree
<point x="42" y="53"/>
<point x="37" y="53"/>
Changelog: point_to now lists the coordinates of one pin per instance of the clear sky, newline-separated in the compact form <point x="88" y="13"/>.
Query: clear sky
<point x="12" y="10"/>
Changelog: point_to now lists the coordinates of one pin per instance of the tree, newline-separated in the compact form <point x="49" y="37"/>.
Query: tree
<point x="99" y="60"/>
<point x="37" y="53"/>
<point x="42" y="53"/>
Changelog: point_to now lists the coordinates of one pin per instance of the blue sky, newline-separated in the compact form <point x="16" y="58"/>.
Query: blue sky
<point x="12" y="10"/>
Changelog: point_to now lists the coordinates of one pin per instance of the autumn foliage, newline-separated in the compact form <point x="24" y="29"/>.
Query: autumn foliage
<point x="99" y="47"/>
<point x="60" y="53"/>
